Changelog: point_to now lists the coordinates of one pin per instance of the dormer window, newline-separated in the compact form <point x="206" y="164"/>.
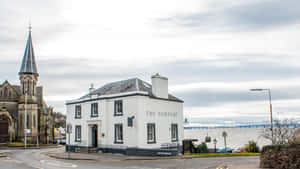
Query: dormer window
<point x="118" y="108"/>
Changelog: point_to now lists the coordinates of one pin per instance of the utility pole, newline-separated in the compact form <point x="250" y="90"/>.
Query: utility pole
<point x="271" y="115"/>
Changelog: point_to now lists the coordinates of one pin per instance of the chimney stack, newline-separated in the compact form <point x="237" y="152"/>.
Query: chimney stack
<point x="160" y="86"/>
<point x="91" y="88"/>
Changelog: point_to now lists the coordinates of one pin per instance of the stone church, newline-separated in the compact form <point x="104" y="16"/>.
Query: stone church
<point x="15" y="99"/>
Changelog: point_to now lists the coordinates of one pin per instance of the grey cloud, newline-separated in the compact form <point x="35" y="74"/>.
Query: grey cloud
<point x="45" y="17"/>
<point x="209" y="97"/>
<point x="267" y="14"/>
<point x="72" y="77"/>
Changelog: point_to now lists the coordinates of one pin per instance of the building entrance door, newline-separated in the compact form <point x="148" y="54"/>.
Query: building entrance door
<point x="95" y="136"/>
<point x="3" y="129"/>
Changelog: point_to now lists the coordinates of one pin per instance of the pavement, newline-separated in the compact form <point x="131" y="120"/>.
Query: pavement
<point x="31" y="147"/>
<point x="41" y="159"/>
<point x="61" y="154"/>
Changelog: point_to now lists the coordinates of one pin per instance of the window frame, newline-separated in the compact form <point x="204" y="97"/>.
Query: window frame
<point x="120" y="127"/>
<point x="117" y="104"/>
<point x="77" y="116"/>
<point x="93" y="112"/>
<point x="174" y="126"/>
<point x="153" y="140"/>
<point x="76" y="133"/>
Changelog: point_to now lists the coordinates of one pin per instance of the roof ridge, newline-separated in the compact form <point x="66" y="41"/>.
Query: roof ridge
<point x="116" y="82"/>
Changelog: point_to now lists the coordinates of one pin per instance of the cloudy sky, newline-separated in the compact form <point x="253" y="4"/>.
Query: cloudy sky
<point x="212" y="51"/>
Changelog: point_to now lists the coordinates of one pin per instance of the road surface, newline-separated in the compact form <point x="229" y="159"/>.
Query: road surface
<point x="35" y="159"/>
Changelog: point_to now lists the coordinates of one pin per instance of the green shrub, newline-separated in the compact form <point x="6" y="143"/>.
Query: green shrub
<point x="251" y="147"/>
<point x="202" y="148"/>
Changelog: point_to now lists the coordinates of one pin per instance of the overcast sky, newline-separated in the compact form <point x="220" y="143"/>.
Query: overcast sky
<point x="212" y="51"/>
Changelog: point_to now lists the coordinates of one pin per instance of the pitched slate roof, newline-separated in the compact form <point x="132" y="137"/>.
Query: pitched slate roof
<point x="28" y="62"/>
<point x="124" y="86"/>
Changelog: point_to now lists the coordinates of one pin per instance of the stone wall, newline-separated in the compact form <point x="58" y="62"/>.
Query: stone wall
<point x="280" y="157"/>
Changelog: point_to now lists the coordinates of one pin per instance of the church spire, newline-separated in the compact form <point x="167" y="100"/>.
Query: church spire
<point x="28" y="63"/>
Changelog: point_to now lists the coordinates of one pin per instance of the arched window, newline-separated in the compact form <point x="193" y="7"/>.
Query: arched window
<point x="21" y="120"/>
<point x="33" y="121"/>
<point x="32" y="88"/>
<point x="28" y="87"/>
<point x="27" y="124"/>
<point x="23" y="87"/>
<point x="5" y="92"/>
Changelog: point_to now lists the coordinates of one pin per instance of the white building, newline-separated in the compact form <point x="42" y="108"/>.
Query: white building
<point x="130" y="117"/>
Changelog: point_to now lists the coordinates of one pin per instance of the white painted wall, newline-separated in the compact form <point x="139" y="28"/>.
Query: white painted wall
<point x="163" y="114"/>
<point x="136" y="136"/>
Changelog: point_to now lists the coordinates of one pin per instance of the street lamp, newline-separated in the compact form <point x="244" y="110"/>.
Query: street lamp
<point x="271" y="114"/>
<point x="215" y="143"/>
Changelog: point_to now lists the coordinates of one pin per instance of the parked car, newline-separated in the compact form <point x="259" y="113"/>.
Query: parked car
<point x="227" y="150"/>
<point x="61" y="141"/>
<point x="238" y="150"/>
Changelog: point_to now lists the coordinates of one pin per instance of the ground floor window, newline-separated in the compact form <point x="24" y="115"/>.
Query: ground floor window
<point x="77" y="133"/>
<point x="174" y="132"/>
<point x="151" y="133"/>
<point x="118" y="133"/>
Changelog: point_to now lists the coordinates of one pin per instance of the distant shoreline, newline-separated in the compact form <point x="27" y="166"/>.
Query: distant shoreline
<point x="186" y="127"/>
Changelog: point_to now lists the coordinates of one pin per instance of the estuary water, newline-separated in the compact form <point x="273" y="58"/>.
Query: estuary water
<point x="236" y="137"/>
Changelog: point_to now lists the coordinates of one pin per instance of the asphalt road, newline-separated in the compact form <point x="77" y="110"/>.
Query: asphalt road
<point x="35" y="159"/>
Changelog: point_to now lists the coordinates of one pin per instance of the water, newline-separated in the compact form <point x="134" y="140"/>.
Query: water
<point x="236" y="137"/>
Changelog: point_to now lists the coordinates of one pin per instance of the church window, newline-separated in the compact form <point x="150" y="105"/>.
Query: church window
<point x="27" y="86"/>
<point x="5" y="92"/>
<point x="32" y="89"/>
<point x="21" y="120"/>
<point x="33" y="120"/>
<point x="27" y="122"/>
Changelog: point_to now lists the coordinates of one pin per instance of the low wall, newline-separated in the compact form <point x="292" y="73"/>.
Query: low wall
<point x="280" y="156"/>
<point x="129" y="151"/>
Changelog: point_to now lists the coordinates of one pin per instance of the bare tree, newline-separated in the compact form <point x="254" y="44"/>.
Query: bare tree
<point x="283" y="131"/>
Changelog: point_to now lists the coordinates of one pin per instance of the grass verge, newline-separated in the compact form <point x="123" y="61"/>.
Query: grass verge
<point x="19" y="144"/>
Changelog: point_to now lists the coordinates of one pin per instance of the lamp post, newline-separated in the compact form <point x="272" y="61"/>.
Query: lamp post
<point x="215" y="143"/>
<point x="271" y="114"/>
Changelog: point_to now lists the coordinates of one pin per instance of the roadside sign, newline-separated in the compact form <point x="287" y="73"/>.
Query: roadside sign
<point x="69" y="128"/>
